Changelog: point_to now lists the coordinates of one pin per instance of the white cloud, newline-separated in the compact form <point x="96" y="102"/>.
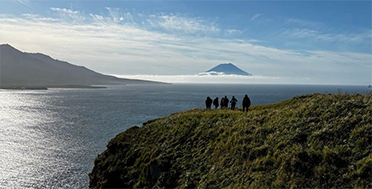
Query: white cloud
<point x="25" y="3"/>
<point x="97" y="17"/>
<point x="63" y="10"/>
<point x="227" y="79"/>
<point x="301" y="33"/>
<point x="328" y="37"/>
<point x="305" y="23"/>
<point x="185" y="24"/>
<point x="68" y="14"/>
<point x="37" y="18"/>
<point x="106" y="44"/>
<point x="233" y="32"/>
<point x="256" y="16"/>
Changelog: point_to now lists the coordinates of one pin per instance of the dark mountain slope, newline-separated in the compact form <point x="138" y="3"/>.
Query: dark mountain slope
<point x="19" y="69"/>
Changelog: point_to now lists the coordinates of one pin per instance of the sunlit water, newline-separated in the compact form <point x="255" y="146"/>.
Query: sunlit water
<point x="50" y="138"/>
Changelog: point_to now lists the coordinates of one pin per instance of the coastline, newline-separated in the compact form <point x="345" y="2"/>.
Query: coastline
<point x="52" y="86"/>
<point x="305" y="141"/>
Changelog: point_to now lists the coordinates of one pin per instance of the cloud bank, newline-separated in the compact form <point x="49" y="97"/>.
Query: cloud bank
<point x="211" y="79"/>
<point x="155" y="46"/>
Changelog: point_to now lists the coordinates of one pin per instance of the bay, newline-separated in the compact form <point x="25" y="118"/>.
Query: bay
<point x="49" y="138"/>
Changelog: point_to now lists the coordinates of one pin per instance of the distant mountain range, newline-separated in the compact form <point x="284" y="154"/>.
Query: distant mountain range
<point x="225" y="69"/>
<point x="35" y="70"/>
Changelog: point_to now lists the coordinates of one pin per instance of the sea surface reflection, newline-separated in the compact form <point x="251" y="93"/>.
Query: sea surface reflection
<point x="49" y="138"/>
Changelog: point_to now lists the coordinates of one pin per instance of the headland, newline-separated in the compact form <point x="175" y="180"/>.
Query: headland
<point x="316" y="140"/>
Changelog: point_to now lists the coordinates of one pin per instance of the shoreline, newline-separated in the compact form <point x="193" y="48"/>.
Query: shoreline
<point x="48" y="87"/>
<point x="305" y="141"/>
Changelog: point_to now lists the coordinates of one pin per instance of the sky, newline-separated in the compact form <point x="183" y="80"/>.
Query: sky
<point x="279" y="42"/>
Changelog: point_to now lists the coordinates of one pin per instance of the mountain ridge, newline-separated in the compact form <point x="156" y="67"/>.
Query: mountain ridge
<point x="22" y="69"/>
<point x="226" y="69"/>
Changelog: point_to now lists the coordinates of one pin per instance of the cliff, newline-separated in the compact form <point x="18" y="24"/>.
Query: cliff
<point x="317" y="140"/>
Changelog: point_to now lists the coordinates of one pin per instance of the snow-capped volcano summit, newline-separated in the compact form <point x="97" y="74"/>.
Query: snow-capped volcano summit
<point x="225" y="69"/>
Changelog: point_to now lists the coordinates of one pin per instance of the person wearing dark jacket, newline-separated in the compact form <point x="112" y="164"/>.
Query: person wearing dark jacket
<point x="233" y="103"/>
<point x="226" y="102"/>
<point x="246" y="103"/>
<point x="222" y="102"/>
<point x="216" y="103"/>
<point x="208" y="102"/>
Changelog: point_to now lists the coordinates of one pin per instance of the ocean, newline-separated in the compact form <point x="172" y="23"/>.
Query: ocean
<point x="49" y="138"/>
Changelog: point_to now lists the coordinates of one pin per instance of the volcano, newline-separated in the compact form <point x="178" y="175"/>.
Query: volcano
<point x="226" y="69"/>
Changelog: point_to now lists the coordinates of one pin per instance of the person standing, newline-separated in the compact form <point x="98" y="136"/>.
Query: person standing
<point x="233" y="102"/>
<point x="226" y="102"/>
<point x="246" y="103"/>
<point x="222" y="102"/>
<point x="216" y="103"/>
<point x="208" y="102"/>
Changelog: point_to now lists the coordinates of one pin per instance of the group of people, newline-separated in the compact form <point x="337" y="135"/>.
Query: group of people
<point x="246" y="103"/>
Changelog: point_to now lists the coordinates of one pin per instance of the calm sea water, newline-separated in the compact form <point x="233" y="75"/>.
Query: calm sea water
<point x="50" y="138"/>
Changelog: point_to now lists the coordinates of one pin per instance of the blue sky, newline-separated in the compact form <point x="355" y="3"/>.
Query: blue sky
<point x="307" y="42"/>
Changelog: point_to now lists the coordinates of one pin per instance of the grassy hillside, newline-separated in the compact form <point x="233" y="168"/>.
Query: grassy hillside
<point x="318" y="140"/>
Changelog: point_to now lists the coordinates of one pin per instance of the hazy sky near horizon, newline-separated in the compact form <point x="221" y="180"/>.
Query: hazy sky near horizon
<point x="310" y="42"/>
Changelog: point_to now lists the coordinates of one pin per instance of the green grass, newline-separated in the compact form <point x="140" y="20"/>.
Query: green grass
<point x="317" y="140"/>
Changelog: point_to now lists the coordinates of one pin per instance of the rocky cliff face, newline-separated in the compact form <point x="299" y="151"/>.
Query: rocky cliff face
<point x="318" y="140"/>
